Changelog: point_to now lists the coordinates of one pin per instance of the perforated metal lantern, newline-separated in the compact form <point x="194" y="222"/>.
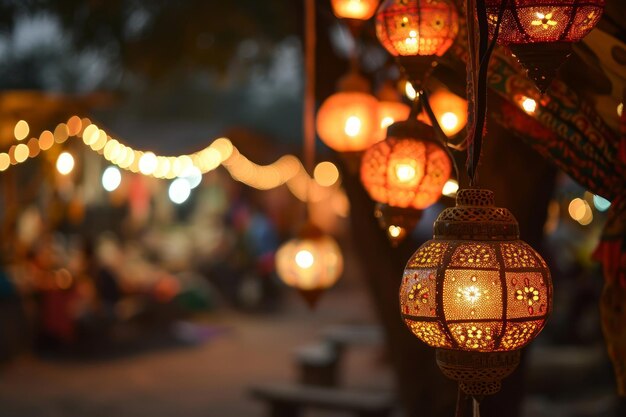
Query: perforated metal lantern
<point x="540" y="32"/>
<point x="476" y="292"/>
<point x="413" y="29"/>
<point x="311" y="262"/>
<point x="405" y="173"/>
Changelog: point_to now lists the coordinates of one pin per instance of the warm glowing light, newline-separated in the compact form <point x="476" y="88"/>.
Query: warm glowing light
<point x="450" y="188"/>
<point x="394" y="231"/>
<point x="65" y="163"/>
<point x="326" y="174"/>
<point x="5" y="161"/>
<point x="580" y="211"/>
<point x="304" y="259"/>
<point x="470" y="294"/>
<point x="21" y="130"/>
<point x="386" y="122"/>
<point x="354" y="9"/>
<point x="46" y="140"/>
<point x="179" y="190"/>
<point x="449" y="122"/>
<point x="91" y="135"/>
<point x="601" y="203"/>
<point x="620" y="109"/>
<point x="61" y="133"/>
<point x="21" y="153"/>
<point x="352" y="126"/>
<point x="33" y="147"/>
<point x="111" y="178"/>
<point x="529" y="105"/>
<point x="148" y="163"/>
<point x="405" y="172"/>
<point x="74" y="125"/>
<point x="409" y="91"/>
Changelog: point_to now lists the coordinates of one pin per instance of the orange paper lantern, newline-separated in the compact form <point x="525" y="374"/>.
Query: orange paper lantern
<point x="311" y="262"/>
<point x="354" y="9"/>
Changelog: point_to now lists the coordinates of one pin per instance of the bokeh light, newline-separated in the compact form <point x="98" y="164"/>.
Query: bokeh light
<point x="179" y="190"/>
<point x="326" y="174"/>
<point x="65" y="163"/>
<point x="21" y="130"/>
<point x="111" y="178"/>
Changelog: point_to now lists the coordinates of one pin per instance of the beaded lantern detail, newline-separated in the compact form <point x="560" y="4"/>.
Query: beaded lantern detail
<point x="405" y="173"/>
<point x="354" y="9"/>
<point x="416" y="31"/>
<point x="312" y="262"/>
<point x="540" y="33"/>
<point x="476" y="292"/>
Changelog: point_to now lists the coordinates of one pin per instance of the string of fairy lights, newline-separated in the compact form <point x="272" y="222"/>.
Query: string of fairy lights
<point x="186" y="170"/>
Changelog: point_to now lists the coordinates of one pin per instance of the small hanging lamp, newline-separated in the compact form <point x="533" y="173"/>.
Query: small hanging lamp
<point x="347" y="121"/>
<point x="476" y="292"/>
<point x="416" y="32"/>
<point x="311" y="262"/>
<point x="540" y="33"/>
<point x="404" y="174"/>
<point x="354" y="9"/>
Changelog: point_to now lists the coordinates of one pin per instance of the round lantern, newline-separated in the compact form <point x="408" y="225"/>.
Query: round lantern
<point x="476" y="292"/>
<point x="311" y="263"/>
<point x="405" y="173"/>
<point x="354" y="9"/>
<point x="417" y="28"/>
<point x="540" y="32"/>
<point x="347" y="121"/>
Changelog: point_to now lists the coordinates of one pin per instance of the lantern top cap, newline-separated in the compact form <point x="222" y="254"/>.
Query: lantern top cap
<point x="475" y="197"/>
<point x="475" y="217"/>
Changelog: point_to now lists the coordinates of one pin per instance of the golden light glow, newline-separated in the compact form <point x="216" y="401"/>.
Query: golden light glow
<point x="65" y="163"/>
<point x="352" y="126"/>
<point x="449" y="122"/>
<point x="326" y="174"/>
<point x="354" y="9"/>
<point x="544" y="20"/>
<point x="304" y="259"/>
<point x="386" y="122"/>
<point x="61" y="133"/>
<point x="620" y="109"/>
<point x="409" y="91"/>
<point x="450" y="188"/>
<point x="394" y="231"/>
<point x="470" y="294"/>
<point x="148" y="163"/>
<point x="46" y="140"/>
<point x="529" y="105"/>
<point x="21" y="153"/>
<point x="21" y="130"/>
<point x="581" y="211"/>
<point x="405" y="172"/>
<point x="5" y="161"/>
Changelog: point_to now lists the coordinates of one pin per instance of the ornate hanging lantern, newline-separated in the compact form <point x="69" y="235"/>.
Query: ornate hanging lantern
<point x="405" y="173"/>
<point x="417" y="31"/>
<point x="311" y="262"/>
<point x="347" y="121"/>
<point x="354" y="9"/>
<point x="540" y="33"/>
<point x="476" y="292"/>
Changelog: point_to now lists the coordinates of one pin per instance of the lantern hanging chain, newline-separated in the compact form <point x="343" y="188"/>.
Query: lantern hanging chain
<point x="309" y="88"/>
<point x="478" y="67"/>
<point x="424" y="97"/>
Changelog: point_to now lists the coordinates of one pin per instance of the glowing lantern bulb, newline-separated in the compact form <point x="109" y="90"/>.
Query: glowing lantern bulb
<point x="65" y="163"/>
<point x="311" y="263"/>
<point x="405" y="172"/>
<point x="529" y="105"/>
<point x="111" y="178"/>
<point x="352" y="126"/>
<point x="449" y="122"/>
<point x="354" y="9"/>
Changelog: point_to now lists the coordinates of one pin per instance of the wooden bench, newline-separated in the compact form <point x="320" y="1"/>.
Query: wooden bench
<point x="287" y="400"/>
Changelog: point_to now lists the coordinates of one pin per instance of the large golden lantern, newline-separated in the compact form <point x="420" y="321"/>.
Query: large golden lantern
<point x="312" y="262"/>
<point x="347" y="121"/>
<point x="354" y="9"/>
<point x="410" y="29"/>
<point x="540" y="33"/>
<point x="405" y="173"/>
<point x="476" y="292"/>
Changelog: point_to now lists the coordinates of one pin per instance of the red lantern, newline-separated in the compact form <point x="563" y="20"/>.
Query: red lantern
<point x="405" y="173"/>
<point x="417" y="28"/>
<point x="354" y="9"/>
<point x="540" y="32"/>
